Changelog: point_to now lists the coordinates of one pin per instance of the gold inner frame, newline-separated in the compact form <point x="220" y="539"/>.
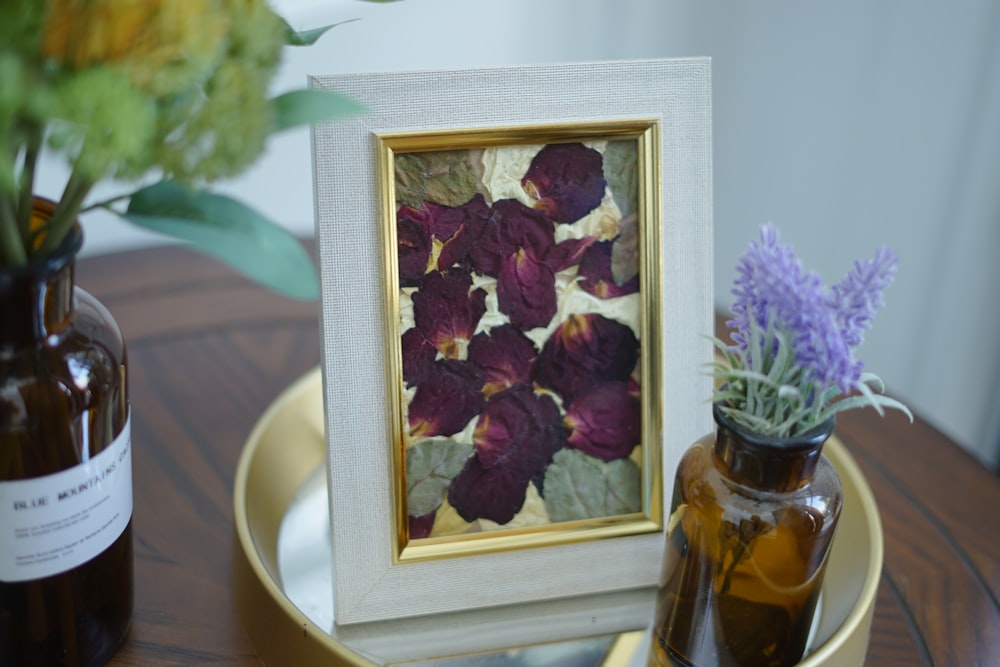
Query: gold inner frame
<point x="646" y="133"/>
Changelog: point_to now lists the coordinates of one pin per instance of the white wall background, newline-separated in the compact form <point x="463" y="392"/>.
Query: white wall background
<point x="849" y="124"/>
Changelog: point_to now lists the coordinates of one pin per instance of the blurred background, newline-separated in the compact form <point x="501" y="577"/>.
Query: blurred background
<point x="849" y="125"/>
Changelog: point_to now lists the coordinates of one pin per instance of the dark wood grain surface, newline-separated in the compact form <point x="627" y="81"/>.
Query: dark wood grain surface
<point x="209" y="351"/>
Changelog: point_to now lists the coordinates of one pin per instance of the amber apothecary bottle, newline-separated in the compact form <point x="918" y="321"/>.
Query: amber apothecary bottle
<point x="751" y="524"/>
<point x="65" y="469"/>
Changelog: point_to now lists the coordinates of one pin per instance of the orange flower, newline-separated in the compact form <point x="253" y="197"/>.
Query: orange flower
<point x="80" y="33"/>
<point x="142" y="36"/>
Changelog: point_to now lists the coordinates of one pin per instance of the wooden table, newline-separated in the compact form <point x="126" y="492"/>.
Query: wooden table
<point x="209" y="351"/>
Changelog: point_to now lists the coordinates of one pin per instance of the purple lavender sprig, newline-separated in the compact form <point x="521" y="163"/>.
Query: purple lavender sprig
<point x="792" y="366"/>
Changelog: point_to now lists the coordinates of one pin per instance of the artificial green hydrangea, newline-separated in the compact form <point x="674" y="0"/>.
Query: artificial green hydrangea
<point x="111" y="133"/>
<point x="125" y="88"/>
<point x="205" y="148"/>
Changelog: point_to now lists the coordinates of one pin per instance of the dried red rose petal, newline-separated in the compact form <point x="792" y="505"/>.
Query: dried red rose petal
<point x="511" y="226"/>
<point x="568" y="253"/>
<point x="604" y="421"/>
<point x="495" y="494"/>
<point x="418" y="357"/>
<point x="504" y="355"/>
<point x="517" y="434"/>
<point x="519" y="430"/>
<point x="526" y="291"/>
<point x="567" y="180"/>
<point x="447" y="399"/>
<point x="583" y="351"/>
<point x="413" y="244"/>
<point x="455" y="228"/>
<point x="596" y="276"/>
<point x="421" y="526"/>
<point x="446" y="312"/>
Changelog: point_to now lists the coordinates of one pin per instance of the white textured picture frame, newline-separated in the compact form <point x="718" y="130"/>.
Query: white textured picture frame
<point x="371" y="581"/>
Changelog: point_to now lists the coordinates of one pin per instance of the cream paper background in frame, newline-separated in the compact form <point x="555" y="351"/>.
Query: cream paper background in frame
<point x="369" y="585"/>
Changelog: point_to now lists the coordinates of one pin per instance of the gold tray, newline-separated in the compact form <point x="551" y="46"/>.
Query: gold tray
<point x="282" y="570"/>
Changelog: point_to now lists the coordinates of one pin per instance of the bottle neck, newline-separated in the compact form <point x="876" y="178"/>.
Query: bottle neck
<point x="778" y="465"/>
<point x="36" y="299"/>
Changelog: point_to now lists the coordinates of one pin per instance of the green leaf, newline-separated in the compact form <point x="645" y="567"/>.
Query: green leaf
<point x="430" y="467"/>
<point x="867" y="398"/>
<point x="294" y="37"/>
<point x="620" y="166"/>
<point x="308" y="106"/>
<point x="578" y="486"/>
<point x="625" y="250"/>
<point x="229" y="231"/>
<point x="443" y="177"/>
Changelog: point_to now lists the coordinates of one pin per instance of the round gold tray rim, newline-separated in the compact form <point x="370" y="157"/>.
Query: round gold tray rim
<point x="283" y="635"/>
<point x="278" y="630"/>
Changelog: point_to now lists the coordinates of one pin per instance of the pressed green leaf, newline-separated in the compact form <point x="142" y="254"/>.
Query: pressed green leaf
<point x="578" y="486"/>
<point x="229" y="231"/>
<point x="442" y="177"/>
<point x="452" y="179"/>
<point x="624" y="487"/>
<point x="625" y="250"/>
<point x="430" y="467"/>
<point x="307" y="106"/>
<point x="411" y="181"/>
<point x="620" y="166"/>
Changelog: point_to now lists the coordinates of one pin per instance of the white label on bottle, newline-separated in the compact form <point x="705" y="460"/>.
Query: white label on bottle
<point x="51" y="524"/>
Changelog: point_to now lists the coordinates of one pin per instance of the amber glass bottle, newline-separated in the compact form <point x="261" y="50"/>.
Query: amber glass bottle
<point x="65" y="469"/>
<point x="751" y="523"/>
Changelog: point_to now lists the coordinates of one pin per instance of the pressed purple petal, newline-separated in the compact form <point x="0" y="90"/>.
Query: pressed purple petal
<point x="526" y="291"/>
<point x="511" y="226"/>
<point x="496" y="494"/>
<point x="418" y="356"/>
<point x="585" y="350"/>
<point x="413" y="245"/>
<point x="567" y="180"/>
<point x="596" y="276"/>
<point x="519" y="430"/>
<point x="504" y="355"/>
<point x="447" y="399"/>
<point x="446" y="312"/>
<point x="604" y="421"/>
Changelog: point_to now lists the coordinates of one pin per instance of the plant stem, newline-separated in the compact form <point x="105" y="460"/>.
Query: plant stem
<point x="12" y="252"/>
<point x="67" y="210"/>
<point x="106" y="203"/>
<point x="33" y="147"/>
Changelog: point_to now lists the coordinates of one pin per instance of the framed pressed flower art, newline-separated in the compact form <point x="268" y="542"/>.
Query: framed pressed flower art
<point x="516" y="268"/>
<point x="519" y="317"/>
